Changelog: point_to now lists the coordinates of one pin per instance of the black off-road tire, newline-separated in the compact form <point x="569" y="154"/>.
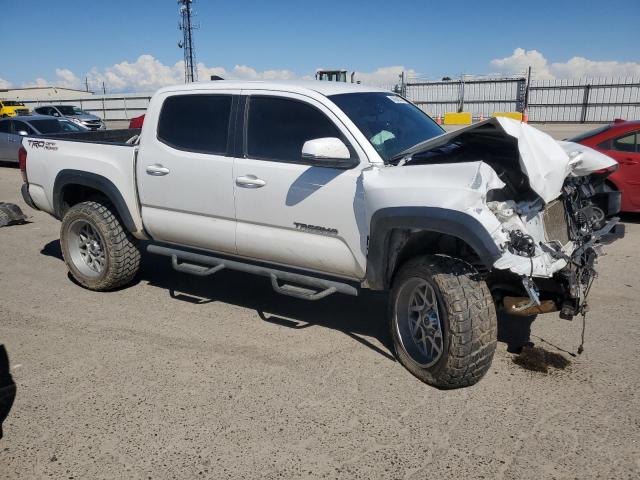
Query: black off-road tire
<point x="467" y="317"/>
<point x="121" y="252"/>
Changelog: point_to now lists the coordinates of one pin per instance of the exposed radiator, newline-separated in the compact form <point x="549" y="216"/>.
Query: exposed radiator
<point x="555" y="222"/>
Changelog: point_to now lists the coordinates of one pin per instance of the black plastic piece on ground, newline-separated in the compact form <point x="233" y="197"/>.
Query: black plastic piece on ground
<point x="10" y="214"/>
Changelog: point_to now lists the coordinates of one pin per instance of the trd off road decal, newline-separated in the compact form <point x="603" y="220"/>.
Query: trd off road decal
<point x="43" y="144"/>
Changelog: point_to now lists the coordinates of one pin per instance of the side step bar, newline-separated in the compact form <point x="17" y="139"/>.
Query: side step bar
<point x="293" y="283"/>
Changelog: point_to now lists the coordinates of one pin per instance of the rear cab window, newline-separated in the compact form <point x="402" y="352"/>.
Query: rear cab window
<point x="278" y="127"/>
<point x="196" y="123"/>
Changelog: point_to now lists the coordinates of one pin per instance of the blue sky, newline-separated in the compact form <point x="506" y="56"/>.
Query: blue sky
<point x="431" y="38"/>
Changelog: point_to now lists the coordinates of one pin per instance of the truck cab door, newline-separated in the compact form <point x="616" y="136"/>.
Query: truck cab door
<point x="184" y="170"/>
<point x="288" y="211"/>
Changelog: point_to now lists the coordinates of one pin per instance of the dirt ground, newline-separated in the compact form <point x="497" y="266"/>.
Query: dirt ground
<point x="184" y="377"/>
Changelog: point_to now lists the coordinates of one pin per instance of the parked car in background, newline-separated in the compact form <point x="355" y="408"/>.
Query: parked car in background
<point x="621" y="141"/>
<point x="11" y="108"/>
<point x="12" y="130"/>
<point x="74" y="114"/>
<point x="137" y="122"/>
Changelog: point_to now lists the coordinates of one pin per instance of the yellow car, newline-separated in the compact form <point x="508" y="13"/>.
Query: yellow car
<point x="11" y="108"/>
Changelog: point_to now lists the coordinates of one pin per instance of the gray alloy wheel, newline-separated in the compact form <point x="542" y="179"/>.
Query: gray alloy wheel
<point x="442" y="320"/>
<point x="86" y="247"/>
<point x="100" y="253"/>
<point x="418" y="322"/>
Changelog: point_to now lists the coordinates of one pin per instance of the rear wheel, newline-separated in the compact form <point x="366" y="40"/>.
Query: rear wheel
<point x="443" y="321"/>
<point x="99" y="252"/>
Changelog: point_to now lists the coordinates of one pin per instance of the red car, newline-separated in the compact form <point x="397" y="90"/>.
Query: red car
<point x="621" y="141"/>
<point x="136" y="122"/>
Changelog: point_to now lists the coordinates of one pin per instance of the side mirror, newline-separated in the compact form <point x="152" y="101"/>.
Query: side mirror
<point x="56" y="114"/>
<point x="23" y="133"/>
<point x="327" y="152"/>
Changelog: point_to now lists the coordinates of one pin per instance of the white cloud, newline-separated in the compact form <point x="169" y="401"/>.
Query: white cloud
<point x="582" y="67"/>
<point x="38" y="82"/>
<point x="66" y="78"/>
<point x="384" y="75"/>
<point x="576" y="67"/>
<point x="5" y="83"/>
<point x="147" y="73"/>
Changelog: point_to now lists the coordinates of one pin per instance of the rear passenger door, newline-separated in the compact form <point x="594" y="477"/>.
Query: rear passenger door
<point x="184" y="171"/>
<point x="290" y="212"/>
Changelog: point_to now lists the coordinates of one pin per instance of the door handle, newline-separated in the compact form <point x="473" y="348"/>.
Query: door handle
<point x="250" y="181"/>
<point x="157" y="170"/>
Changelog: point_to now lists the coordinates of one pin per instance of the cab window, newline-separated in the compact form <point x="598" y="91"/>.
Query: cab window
<point x="278" y="128"/>
<point x="196" y="123"/>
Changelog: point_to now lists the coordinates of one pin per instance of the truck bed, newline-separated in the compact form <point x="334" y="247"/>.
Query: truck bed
<point x="92" y="159"/>
<point x="112" y="137"/>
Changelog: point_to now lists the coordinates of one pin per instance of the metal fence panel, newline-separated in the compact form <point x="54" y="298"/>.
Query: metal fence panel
<point x="559" y="100"/>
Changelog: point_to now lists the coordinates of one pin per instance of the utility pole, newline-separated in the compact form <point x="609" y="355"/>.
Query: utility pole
<point x="186" y="44"/>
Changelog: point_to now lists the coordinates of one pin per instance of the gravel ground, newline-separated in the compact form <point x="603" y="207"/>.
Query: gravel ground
<point x="183" y="377"/>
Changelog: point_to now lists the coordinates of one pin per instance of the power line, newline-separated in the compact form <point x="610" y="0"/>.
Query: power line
<point x="186" y="44"/>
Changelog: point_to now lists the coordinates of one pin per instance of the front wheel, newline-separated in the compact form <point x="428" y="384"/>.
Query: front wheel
<point x="99" y="252"/>
<point x="443" y="321"/>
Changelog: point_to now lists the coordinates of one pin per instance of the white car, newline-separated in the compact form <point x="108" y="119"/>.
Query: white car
<point x="73" y="114"/>
<point x="332" y="188"/>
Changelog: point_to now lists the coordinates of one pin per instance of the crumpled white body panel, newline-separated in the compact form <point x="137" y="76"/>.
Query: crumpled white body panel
<point x="547" y="162"/>
<point x="463" y="187"/>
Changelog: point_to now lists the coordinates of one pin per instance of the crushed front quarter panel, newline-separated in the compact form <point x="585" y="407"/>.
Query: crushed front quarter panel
<point x="463" y="186"/>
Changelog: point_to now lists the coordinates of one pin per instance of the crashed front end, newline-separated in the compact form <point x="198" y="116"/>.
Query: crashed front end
<point x="540" y="201"/>
<point x="553" y="248"/>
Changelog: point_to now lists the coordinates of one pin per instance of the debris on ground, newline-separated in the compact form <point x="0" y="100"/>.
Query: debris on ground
<point x="10" y="214"/>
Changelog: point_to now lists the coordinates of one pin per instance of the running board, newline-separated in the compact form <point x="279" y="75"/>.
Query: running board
<point x="293" y="284"/>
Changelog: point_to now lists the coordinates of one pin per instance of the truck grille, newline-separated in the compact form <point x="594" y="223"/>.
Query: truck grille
<point x="22" y="111"/>
<point x="555" y="222"/>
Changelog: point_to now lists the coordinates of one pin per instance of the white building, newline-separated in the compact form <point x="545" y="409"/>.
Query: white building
<point x="43" y="93"/>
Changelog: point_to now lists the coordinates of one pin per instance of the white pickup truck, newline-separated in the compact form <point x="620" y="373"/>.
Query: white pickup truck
<point x="331" y="188"/>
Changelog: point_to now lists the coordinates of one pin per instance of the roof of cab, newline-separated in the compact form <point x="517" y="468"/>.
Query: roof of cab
<point x="295" y="86"/>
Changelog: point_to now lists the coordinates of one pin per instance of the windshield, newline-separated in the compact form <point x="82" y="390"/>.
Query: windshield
<point x="55" y="126"/>
<point x="11" y="103"/>
<point x="390" y="123"/>
<point x="70" y="110"/>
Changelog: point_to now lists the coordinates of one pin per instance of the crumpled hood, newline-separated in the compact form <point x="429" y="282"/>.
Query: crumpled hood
<point x="545" y="161"/>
